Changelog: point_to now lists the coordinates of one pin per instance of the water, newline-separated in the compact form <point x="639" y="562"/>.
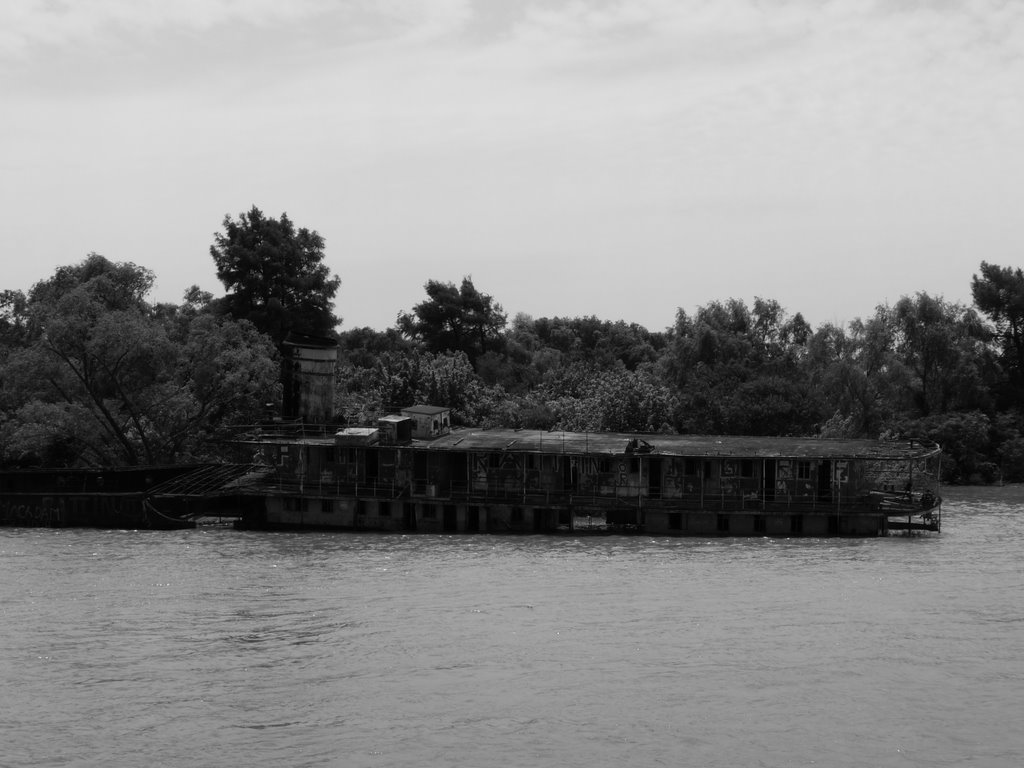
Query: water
<point x="221" y="648"/>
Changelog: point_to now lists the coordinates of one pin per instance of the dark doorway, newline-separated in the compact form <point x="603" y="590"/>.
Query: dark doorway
<point x="654" y="478"/>
<point x="372" y="465"/>
<point x="419" y="468"/>
<point x="769" y="480"/>
<point x="459" y="477"/>
<point x="539" y="520"/>
<point x="825" y="480"/>
<point x="451" y="518"/>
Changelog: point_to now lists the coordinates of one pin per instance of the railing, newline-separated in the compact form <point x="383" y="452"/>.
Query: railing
<point x="625" y="496"/>
<point x="285" y="428"/>
<point x="300" y="486"/>
<point x="924" y="505"/>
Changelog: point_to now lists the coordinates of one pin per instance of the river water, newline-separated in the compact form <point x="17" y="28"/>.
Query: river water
<point x="215" y="647"/>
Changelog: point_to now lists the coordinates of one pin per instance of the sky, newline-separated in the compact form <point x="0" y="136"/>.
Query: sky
<point x="616" y="158"/>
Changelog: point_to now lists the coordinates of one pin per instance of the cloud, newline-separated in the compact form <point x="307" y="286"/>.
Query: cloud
<point x="27" y="24"/>
<point x="450" y="129"/>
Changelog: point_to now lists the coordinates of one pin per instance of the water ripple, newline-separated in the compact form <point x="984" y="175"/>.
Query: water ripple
<point x="219" y="648"/>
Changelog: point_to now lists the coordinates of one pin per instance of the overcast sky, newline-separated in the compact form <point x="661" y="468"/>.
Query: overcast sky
<point x="588" y="157"/>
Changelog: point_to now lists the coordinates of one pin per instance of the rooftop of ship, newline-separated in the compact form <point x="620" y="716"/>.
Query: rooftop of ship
<point x="478" y="439"/>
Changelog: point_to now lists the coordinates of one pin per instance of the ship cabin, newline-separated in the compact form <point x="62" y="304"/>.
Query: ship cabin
<point x="520" y="481"/>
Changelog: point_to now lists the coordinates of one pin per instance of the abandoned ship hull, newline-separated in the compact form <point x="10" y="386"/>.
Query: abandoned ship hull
<point x="515" y="481"/>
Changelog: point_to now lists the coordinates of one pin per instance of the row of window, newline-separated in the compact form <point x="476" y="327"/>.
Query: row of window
<point x="742" y="468"/>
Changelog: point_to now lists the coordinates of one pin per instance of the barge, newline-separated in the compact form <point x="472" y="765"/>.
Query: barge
<point x="412" y="472"/>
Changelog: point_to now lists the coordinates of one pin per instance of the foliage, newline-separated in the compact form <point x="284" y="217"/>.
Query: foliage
<point x="741" y="371"/>
<point x="13" y="319"/>
<point x="360" y="347"/>
<point x="941" y="344"/>
<point x="275" y="276"/>
<point x="965" y="441"/>
<point x="397" y="380"/>
<point x="999" y="294"/>
<point x="112" y="286"/>
<point x="599" y="343"/>
<point x="847" y="382"/>
<point x="104" y="380"/>
<point x="617" y="400"/>
<point x="455" y="319"/>
<point x="91" y="373"/>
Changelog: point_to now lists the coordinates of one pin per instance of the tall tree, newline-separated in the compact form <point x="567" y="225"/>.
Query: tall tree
<point x="275" y="275"/>
<point x="999" y="294"/>
<point x="738" y="371"/>
<point x="455" y="319"/>
<point x="13" y="319"/>
<point x="844" y="383"/>
<point x="942" y="343"/>
<point x="106" y="380"/>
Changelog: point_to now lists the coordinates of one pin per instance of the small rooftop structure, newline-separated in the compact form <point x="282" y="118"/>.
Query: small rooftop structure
<point x="357" y="436"/>
<point x="429" y="421"/>
<point x="395" y="430"/>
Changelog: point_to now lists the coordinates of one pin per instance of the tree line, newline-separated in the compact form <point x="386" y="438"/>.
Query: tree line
<point x="91" y="373"/>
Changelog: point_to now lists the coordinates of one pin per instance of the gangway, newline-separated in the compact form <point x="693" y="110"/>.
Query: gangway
<point x="204" y="491"/>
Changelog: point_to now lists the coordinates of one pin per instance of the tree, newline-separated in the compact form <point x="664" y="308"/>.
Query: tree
<point x="455" y="319"/>
<point x="275" y="276"/>
<point x="942" y="343"/>
<point x="398" y="380"/>
<point x="968" y="453"/>
<point x="837" y="373"/>
<point x="13" y="319"/>
<point x="362" y="347"/>
<point x="999" y="294"/>
<point x="579" y="398"/>
<point x="112" y="285"/>
<point x="769" y="405"/>
<point x="740" y="371"/>
<point x="107" y="381"/>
